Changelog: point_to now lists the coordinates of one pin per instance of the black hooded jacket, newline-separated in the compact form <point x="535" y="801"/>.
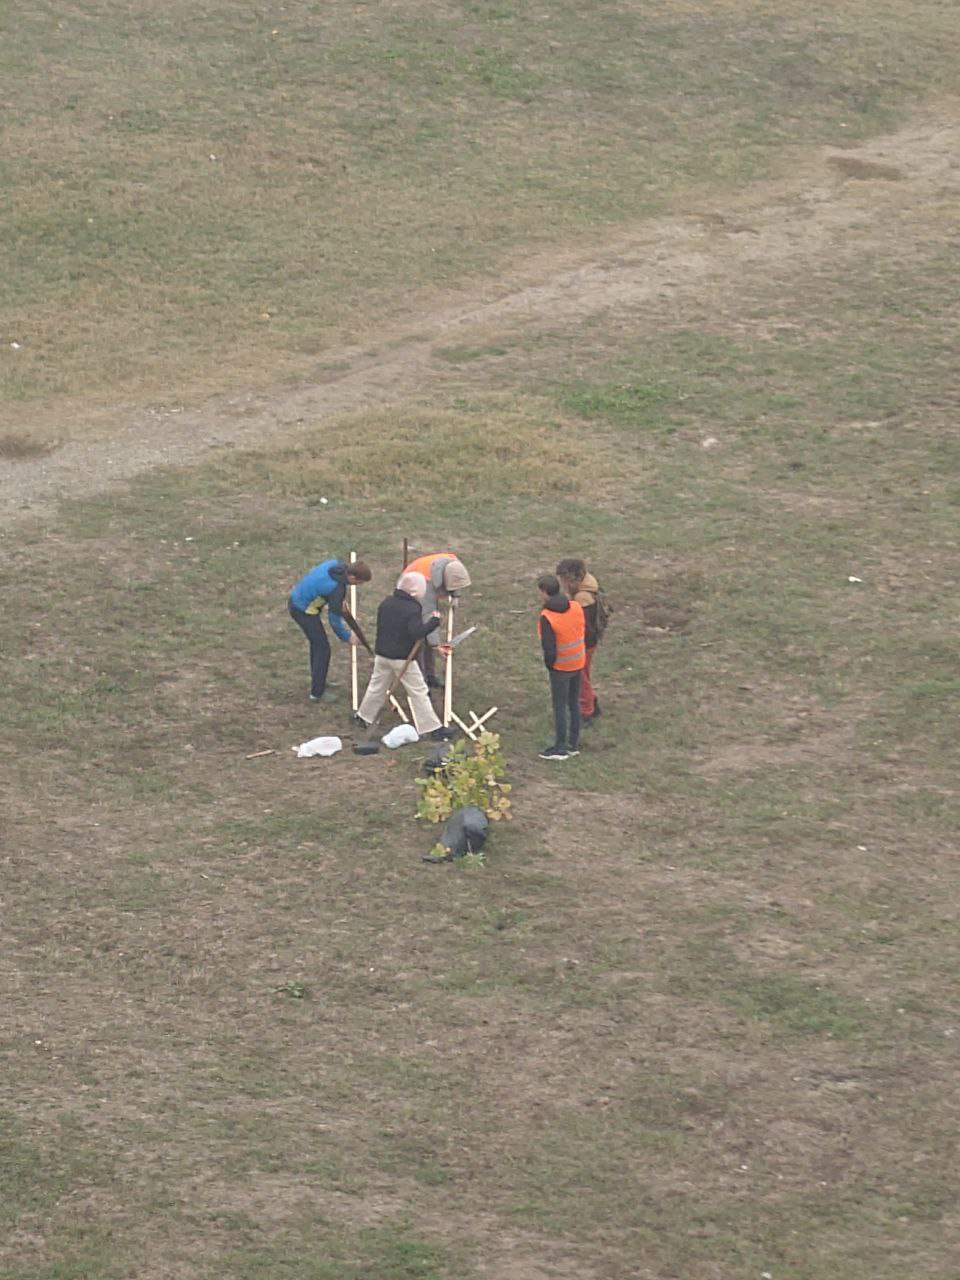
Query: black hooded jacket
<point x="400" y="625"/>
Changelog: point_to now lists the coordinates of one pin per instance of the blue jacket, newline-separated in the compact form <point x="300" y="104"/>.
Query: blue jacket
<point x="325" y="584"/>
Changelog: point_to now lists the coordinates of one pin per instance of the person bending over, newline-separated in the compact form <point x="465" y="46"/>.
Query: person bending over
<point x="446" y="576"/>
<point x="325" y="584"/>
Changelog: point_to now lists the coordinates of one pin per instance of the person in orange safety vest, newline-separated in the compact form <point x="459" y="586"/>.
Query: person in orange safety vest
<point x="563" y="629"/>
<point x="446" y="577"/>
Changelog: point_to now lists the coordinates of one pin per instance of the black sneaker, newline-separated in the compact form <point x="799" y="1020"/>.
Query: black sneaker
<point x="357" y="718"/>
<point x="573" y="751"/>
<point x="554" y="753"/>
<point x="319" y="697"/>
<point x="442" y="734"/>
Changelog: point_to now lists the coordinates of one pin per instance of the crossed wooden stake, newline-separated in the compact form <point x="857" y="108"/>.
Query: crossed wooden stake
<point x="477" y="723"/>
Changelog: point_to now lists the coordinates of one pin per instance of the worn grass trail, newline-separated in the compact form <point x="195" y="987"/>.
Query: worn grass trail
<point x="665" y="269"/>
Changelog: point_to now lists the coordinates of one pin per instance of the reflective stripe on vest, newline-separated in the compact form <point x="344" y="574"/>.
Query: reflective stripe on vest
<point x="569" y="628"/>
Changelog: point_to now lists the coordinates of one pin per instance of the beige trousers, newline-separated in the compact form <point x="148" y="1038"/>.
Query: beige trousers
<point x="385" y="671"/>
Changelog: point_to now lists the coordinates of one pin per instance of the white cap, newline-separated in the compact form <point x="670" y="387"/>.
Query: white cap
<point x="415" y="584"/>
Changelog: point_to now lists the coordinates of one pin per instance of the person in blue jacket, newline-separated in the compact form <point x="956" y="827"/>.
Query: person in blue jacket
<point x="325" y="584"/>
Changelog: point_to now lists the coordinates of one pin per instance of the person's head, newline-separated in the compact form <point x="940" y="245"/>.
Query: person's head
<point x="414" y="584"/>
<point x="571" y="573"/>
<point x="455" y="576"/>
<point x="359" y="571"/>
<point x="548" y="586"/>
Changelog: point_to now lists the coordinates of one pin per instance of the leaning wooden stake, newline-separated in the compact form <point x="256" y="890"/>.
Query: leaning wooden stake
<point x="448" y="676"/>
<point x="354" y="678"/>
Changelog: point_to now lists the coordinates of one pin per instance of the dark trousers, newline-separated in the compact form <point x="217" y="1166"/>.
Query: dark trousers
<point x="565" y="692"/>
<point x="427" y="662"/>
<point x="311" y="624"/>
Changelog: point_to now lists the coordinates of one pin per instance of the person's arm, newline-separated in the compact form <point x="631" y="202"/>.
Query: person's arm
<point x="334" y="604"/>
<point x="418" y="629"/>
<point x="549" y="642"/>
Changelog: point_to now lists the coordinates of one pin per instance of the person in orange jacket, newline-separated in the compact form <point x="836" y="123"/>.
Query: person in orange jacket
<point x="562" y="627"/>
<point x="446" y="576"/>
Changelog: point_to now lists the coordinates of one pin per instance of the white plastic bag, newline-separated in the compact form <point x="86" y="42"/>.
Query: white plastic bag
<point x="400" y="735"/>
<point x="318" y="747"/>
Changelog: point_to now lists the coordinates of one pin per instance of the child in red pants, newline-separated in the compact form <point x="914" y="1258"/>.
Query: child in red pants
<point x="582" y="586"/>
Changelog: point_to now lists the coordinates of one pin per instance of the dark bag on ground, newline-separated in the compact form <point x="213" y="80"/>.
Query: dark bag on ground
<point x="436" y="762"/>
<point x="463" y="832"/>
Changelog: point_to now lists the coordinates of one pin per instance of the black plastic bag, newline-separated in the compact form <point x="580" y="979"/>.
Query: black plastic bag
<point x="436" y="761"/>
<point x="465" y="831"/>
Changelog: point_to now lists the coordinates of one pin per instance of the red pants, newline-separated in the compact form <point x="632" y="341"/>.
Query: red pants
<point x="588" y="696"/>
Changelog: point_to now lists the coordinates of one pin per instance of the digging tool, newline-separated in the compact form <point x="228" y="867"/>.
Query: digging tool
<point x="448" y="673"/>
<point x="461" y="637"/>
<point x="354" y="681"/>
<point x="368" y="745"/>
<point x="357" y="630"/>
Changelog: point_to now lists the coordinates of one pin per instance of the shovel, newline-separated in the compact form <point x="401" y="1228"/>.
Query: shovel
<point x="369" y="745"/>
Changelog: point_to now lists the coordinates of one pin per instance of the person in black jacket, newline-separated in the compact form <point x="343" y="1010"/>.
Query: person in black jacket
<point x="400" y="625"/>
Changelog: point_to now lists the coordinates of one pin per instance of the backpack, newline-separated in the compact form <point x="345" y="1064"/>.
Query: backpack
<point x="604" y="613"/>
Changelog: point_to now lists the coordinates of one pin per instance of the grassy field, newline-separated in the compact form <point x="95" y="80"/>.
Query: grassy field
<point x="695" y="1018"/>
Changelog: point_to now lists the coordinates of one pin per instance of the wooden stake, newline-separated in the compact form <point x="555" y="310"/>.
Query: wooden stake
<point x="406" y="553"/>
<point x="255" y="755"/>
<point x="467" y="729"/>
<point x="448" y="676"/>
<point x="480" y="721"/>
<point x="354" y="678"/>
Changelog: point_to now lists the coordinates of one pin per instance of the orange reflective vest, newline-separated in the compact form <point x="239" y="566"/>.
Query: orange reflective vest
<point x="570" y="630"/>
<point x="423" y="564"/>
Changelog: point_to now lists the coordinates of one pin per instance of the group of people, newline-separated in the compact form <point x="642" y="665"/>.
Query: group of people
<point x="570" y="625"/>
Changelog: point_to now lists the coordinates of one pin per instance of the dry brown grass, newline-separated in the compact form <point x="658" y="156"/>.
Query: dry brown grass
<point x="519" y="449"/>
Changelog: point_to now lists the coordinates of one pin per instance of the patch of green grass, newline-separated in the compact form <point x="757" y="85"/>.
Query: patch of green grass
<point x="460" y="355"/>
<point x="386" y="1252"/>
<point x="798" y="1007"/>
<point x="634" y="405"/>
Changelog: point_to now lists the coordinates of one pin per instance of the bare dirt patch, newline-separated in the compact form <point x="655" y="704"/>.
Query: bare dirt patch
<point x="852" y="167"/>
<point x="16" y="448"/>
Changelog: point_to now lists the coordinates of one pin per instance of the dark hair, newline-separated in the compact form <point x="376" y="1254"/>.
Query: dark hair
<point x="548" y="583"/>
<point x="360" y="571"/>
<point x="573" y="570"/>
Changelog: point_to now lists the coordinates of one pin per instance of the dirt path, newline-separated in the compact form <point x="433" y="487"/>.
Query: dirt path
<point x="847" y="201"/>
